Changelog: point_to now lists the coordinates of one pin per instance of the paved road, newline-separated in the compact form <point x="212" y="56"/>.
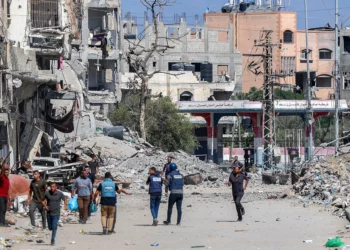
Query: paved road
<point x="209" y="222"/>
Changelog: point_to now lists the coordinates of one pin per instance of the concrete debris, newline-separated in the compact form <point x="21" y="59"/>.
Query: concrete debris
<point x="135" y="169"/>
<point x="194" y="179"/>
<point x="326" y="182"/>
<point x="10" y="219"/>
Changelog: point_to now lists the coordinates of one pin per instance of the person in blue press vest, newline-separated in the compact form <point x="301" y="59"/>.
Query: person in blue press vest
<point x="107" y="190"/>
<point x="175" y="182"/>
<point x="155" y="191"/>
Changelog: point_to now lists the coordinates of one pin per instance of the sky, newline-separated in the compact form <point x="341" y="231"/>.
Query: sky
<point x="320" y="12"/>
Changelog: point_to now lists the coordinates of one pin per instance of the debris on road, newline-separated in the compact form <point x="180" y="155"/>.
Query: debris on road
<point x="326" y="182"/>
<point x="334" y="242"/>
<point x="307" y="241"/>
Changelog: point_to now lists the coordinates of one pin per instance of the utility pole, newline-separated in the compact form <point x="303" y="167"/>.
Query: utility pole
<point x="268" y="99"/>
<point x="268" y="107"/>
<point x="309" y="108"/>
<point x="336" y="79"/>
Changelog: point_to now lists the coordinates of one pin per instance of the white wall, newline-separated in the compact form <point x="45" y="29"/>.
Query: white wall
<point x="18" y="23"/>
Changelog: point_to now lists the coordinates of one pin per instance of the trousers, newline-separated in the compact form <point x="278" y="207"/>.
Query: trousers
<point x="175" y="198"/>
<point x="52" y="223"/>
<point x="32" y="207"/>
<point x="3" y="209"/>
<point x="107" y="216"/>
<point x="83" y="204"/>
<point x="154" y="205"/>
<point x="237" y="199"/>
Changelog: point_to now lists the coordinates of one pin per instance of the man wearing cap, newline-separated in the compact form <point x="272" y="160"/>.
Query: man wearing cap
<point x="175" y="182"/>
<point x="166" y="171"/>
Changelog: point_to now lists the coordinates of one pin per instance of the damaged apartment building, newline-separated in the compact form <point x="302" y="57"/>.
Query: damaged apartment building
<point x="344" y="43"/>
<point x="39" y="37"/>
<point x="202" y="62"/>
<point x="100" y="51"/>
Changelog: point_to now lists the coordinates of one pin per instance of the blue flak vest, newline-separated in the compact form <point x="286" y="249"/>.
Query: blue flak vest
<point x="108" y="188"/>
<point x="155" y="185"/>
<point x="177" y="181"/>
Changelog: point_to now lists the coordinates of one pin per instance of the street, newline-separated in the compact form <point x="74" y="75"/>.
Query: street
<point x="209" y="221"/>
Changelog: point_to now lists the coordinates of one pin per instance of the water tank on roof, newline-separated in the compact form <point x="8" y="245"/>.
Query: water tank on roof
<point x="207" y="72"/>
<point x="243" y="7"/>
<point x="189" y="67"/>
<point x="227" y="8"/>
<point x="177" y="67"/>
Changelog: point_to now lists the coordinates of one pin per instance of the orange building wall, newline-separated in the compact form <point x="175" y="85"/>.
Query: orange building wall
<point x="247" y="28"/>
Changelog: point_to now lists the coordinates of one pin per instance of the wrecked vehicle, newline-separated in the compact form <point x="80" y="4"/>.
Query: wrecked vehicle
<point x="54" y="170"/>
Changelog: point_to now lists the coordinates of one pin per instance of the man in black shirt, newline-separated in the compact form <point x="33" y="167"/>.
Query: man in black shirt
<point x="36" y="194"/>
<point x="236" y="181"/>
<point x="94" y="165"/>
<point x="52" y="204"/>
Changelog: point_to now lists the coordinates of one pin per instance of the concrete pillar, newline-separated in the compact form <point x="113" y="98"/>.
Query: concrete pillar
<point x="220" y="147"/>
<point x="212" y="132"/>
<point x="316" y="116"/>
<point x="258" y="141"/>
<point x="206" y="38"/>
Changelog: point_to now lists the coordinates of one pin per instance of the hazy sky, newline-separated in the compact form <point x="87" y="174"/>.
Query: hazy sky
<point x="320" y="12"/>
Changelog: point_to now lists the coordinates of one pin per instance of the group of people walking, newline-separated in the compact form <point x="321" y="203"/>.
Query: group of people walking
<point x="48" y="201"/>
<point x="174" y="182"/>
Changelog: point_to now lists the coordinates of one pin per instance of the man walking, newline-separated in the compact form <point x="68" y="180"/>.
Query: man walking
<point x="36" y="194"/>
<point x="166" y="171"/>
<point x="83" y="187"/>
<point x="92" y="178"/>
<point x="94" y="165"/>
<point x="52" y="204"/>
<point x="107" y="190"/>
<point x="155" y="190"/>
<point x="237" y="163"/>
<point x="175" y="182"/>
<point x="4" y="194"/>
<point x="236" y="181"/>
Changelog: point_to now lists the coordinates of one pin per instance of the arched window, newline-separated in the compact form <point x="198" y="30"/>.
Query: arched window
<point x="186" y="96"/>
<point x="324" y="81"/>
<point x="288" y="36"/>
<point x="325" y="54"/>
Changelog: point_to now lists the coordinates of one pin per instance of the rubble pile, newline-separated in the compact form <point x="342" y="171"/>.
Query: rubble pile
<point x="327" y="182"/>
<point x="135" y="169"/>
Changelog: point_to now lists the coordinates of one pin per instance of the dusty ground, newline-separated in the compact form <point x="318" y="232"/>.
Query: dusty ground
<point x="209" y="222"/>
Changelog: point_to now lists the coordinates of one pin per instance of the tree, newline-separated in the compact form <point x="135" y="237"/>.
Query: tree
<point x="138" y="56"/>
<point x="166" y="127"/>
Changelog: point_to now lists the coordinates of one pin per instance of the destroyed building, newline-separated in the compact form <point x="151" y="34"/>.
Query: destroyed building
<point x="7" y="136"/>
<point x="39" y="37"/>
<point x="344" y="43"/>
<point x="202" y="63"/>
<point x="99" y="50"/>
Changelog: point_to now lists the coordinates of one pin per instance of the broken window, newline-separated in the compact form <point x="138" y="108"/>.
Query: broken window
<point x="346" y="80"/>
<point x="288" y="36"/>
<point x="44" y="13"/>
<point x="346" y="44"/>
<point x="186" y="96"/>
<point x="303" y="54"/>
<point x="324" y="81"/>
<point x="325" y="54"/>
